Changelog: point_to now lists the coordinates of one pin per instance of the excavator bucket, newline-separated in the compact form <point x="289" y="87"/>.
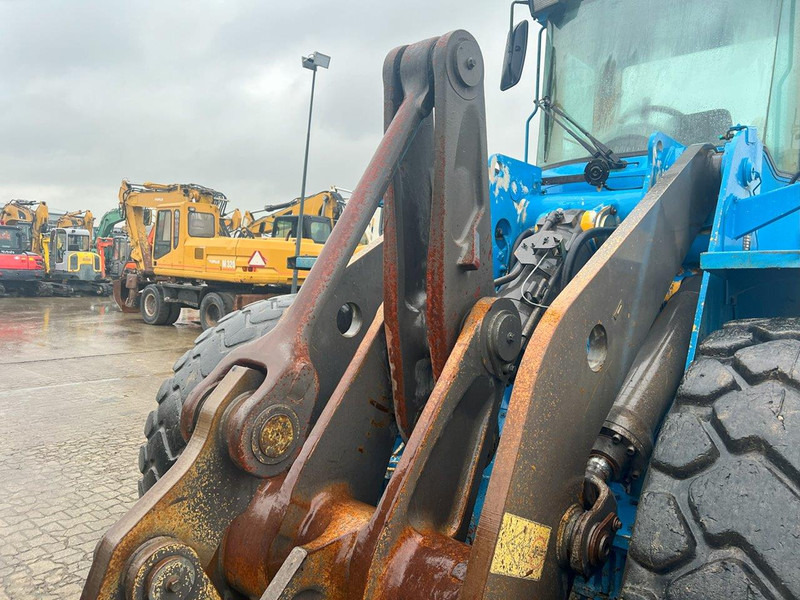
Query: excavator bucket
<point x="284" y="490"/>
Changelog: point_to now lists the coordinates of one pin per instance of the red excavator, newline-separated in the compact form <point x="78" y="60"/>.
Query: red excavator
<point x="20" y="270"/>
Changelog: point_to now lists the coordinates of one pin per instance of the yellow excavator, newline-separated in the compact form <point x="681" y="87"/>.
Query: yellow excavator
<point x="79" y="219"/>
<point x="31" y="218"/>
<point x="328" y="205"/>
<point x="183" y="260"/>
<point x="70" y="264"/>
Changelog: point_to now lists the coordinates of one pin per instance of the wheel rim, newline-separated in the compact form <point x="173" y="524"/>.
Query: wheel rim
<point x="150" y="304"/>
<point x="212" y="314"/>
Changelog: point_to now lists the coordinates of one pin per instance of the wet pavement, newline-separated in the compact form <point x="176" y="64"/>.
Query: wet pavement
<point x="77" y="380"/>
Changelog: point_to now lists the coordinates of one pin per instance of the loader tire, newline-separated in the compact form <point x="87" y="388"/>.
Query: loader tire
<point x="719" y="513"/>
<point x="162" y="430"/>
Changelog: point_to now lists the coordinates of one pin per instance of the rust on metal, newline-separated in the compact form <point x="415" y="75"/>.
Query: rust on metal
<point x="192" y="503"/>
<point x="539" y="471"/>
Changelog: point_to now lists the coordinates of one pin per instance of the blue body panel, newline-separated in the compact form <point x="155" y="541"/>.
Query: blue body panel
<point x="521" y="194"/>
<point x="737" y="283"/>
<point x="519" y="199"/>
<point x="754" y="202"/>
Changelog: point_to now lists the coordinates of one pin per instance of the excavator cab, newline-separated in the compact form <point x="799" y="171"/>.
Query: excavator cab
<point x="71" y="256"/>
<point x="26" y="234"/>
<point x="119" y="255"/>
<point x="317" y="229"/>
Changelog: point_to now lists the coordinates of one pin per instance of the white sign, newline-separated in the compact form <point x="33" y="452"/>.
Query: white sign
<point x="257" y="260"/>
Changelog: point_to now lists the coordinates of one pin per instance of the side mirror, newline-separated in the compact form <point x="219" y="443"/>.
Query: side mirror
<point x="514" y="60"/>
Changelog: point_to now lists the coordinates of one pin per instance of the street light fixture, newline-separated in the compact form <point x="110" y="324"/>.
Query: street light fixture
<point x="310" y="62"/>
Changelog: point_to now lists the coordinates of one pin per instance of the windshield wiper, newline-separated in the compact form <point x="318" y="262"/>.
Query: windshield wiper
<point x="604" y="160"/>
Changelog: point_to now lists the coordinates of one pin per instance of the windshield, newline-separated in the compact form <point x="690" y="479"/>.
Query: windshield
<point x="314" y="228"/>
<point x="26" y="233"/>
<point x="10" y="239"/>
<point x="202" y="224"/>
<point x="627" y="68"/>
<point x="78" y="242"/>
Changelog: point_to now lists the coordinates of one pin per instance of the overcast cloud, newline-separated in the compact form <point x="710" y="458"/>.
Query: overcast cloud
<point x="94" y="91"/>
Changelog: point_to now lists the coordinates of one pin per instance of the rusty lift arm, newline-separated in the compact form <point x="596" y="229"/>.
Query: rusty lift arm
<point x="281" y="493"/>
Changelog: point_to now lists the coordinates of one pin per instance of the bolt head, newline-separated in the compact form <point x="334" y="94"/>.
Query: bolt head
<point x="172" y="579"/>
<point x="468" y="63"/>
<point x="277" y="435"/>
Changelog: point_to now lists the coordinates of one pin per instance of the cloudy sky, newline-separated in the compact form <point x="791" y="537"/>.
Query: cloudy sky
<point x="212" y="92"/>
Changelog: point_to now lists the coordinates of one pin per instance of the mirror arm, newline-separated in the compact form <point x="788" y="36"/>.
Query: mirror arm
<point x="538" y="88"/>
<point x="511" y="19"/>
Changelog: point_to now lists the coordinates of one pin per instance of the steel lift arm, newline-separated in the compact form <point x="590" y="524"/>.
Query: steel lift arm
<point x="281" y="491"/>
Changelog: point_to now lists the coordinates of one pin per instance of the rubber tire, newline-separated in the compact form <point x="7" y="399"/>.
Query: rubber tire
<point x="219" y="302"/>
<point x="719" y="513"/>
<point x="174" y="313"/>
<point x="161" y="314"/>
<point x="164" y="441"/>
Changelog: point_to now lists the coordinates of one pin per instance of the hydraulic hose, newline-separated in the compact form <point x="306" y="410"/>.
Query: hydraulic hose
<point x="525" y="233"/>
<point x="580" y="241"/>
<point x="511" y="276"/>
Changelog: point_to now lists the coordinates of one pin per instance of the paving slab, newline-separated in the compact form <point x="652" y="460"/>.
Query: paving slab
<point x="77" y="381"/>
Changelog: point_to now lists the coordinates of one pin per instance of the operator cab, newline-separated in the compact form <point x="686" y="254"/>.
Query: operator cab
<point x="315" y="228"/>
<point x="621" y="71"/>
<point x="71" y="255"/>
<point x="25" y="230"/>
<point x="11" y="240"/>
<point x="119" y="255"/>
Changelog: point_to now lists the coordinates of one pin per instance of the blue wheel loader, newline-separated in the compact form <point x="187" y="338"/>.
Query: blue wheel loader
<point x="569" y="376"/>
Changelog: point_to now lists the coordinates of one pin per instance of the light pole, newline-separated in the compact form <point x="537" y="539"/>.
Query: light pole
<point x="310" y="62"/>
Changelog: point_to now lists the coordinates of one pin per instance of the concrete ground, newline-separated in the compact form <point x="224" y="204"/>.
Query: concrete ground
<point x="77" y="380"/>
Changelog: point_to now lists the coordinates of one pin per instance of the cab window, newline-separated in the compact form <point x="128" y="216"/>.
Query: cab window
<point x="10" y="239"/>
<point x="317" y="230"/>
<point x="201" y="224"/>
<point x="176" y="229"/>
<point x="61" y="245"/>
<point x="284" y="228"/>
<point x="163" y="239"/>
<point x="77" y="243"/>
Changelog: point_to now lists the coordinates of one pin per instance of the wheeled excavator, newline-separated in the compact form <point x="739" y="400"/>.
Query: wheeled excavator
<point x="570" y="379"/>
<point x="188" y="262"/>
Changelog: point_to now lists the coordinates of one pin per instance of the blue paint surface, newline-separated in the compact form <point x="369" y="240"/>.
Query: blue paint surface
<point x="737" y="282"/>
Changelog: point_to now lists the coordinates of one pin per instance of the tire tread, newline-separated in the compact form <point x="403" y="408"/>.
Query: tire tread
<point x="164" y="441"/>
<point x="733" y="477"/>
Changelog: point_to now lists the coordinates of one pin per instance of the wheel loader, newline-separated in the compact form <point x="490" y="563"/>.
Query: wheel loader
<point x="570" y="379"/>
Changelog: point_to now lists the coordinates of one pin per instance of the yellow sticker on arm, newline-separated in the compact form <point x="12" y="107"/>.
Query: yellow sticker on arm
<point x="521" y="548"/>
